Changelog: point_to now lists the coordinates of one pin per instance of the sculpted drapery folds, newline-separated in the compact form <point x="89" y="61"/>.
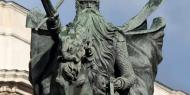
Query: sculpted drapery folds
<point x="91" y="56"/>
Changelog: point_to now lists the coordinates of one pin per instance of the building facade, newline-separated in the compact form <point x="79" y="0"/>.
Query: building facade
<point x="15" y="53"/>
<point x="14" y="50"/>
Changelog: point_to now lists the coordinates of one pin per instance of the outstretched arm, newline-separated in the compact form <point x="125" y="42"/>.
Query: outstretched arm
<point x="139" y="19"/>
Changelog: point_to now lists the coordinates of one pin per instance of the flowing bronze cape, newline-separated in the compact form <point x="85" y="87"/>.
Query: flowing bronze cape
<point x="144" y="47"/>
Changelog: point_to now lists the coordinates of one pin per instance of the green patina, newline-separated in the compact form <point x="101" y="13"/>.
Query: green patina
<point x="91" y="56"/>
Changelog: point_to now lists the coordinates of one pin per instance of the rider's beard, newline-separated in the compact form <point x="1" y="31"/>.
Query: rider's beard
<point x="91" y="20"/>
<point x="102" y="34"/>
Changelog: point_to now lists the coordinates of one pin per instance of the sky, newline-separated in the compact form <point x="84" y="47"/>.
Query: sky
<point x="174" y="71"/>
